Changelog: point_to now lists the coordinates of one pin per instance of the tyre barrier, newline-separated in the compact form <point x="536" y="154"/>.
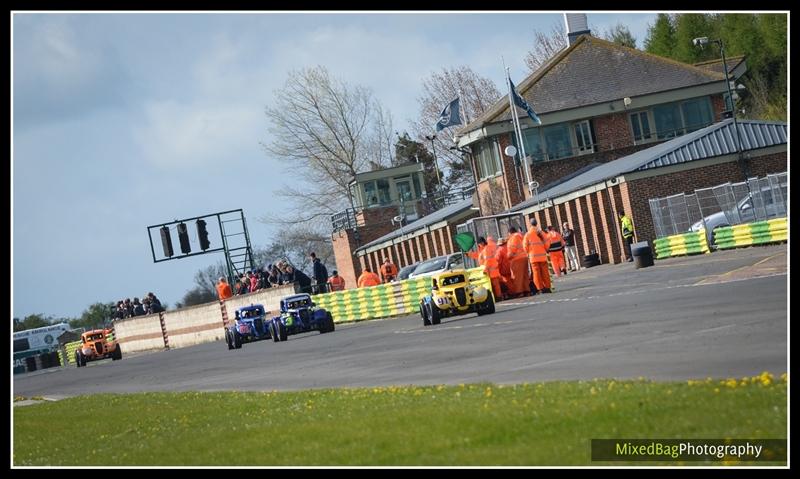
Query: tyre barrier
<point x="386" y="300"/>
<point x="681" y="245"/>
<point x="590" y="260"/>
<point x="748" y="234"/>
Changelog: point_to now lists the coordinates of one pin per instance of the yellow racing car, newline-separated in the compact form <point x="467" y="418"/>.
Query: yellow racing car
<point x="453" y="295"/>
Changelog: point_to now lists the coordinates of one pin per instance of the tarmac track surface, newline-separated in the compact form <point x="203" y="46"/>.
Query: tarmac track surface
<point x="718" y="315"/>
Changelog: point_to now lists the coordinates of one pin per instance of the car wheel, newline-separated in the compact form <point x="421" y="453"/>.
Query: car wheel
<point x="435" y="314"/>
<point x="331" y="325"/>
<point x="282" y="331"/>
<point x="228" y="339"/>
<point x="78" y="358"/>
<point x="273" y="330"/>
<point x="117" y="354"/>
<point x="237" y="340"/>
<point x="423" y="311"/>
<point x="489" y="305"/>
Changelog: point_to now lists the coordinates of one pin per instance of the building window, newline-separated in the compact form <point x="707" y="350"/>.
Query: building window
<point x="533" y="143"/>
<point x="383" y="192"/>
<point x="668" y="121"/>
<point x="557" y="140"/>
<point x="696" y="114"/>
<point x="676" y="119"/>
<point x="417" y="189"/>
<point x="370" y="194"/>
<point x="583" y="137"/>
<point x="487" y="159"/>
<point x="640" y="121"/>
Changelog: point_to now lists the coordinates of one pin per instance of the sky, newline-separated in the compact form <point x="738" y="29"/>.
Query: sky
<point x="122" y="121"/>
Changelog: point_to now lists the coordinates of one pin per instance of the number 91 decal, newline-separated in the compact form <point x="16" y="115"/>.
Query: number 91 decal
<point x="442" y="300"/>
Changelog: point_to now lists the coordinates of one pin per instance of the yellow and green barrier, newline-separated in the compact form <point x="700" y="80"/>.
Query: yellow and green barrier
<point x="385" y="300"/>
<point x="760" y="232"/>
<point x="681" y="245"/>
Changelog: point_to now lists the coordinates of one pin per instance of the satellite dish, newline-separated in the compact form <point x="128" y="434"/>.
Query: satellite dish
<point x="511" y="150"/>
<point x="534" y="184"/>
<point x="398" y="219"/>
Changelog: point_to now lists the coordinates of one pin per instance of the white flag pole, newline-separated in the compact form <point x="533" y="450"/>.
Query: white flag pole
<point x="518" y="131"/>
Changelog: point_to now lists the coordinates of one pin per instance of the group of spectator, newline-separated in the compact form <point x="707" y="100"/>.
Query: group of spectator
<point x="126" y="308"/>
<point x="279" y="274"/>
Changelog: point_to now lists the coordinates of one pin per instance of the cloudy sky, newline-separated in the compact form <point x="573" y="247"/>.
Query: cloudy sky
<point x="121" y="121"/>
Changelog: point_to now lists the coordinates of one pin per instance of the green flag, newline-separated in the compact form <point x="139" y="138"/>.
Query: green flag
<point x="465" y="241"/>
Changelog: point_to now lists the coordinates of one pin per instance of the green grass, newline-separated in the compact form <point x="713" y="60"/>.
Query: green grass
<point x="477" y="424"/>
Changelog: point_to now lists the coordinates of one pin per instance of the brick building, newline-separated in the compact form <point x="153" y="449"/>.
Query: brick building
<point x="599" y="103"/>
<point x="591" y="201"/>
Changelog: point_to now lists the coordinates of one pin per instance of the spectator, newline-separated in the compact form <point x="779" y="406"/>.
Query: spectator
<point x="128" y="308"/>
<point x="320" y="273"/>
<point x="253" y="282"/>
<point x="223" y="289"/>
<point x="388" y="270"/>
<point x="120" y="312"/>
<point x="138" y="309"/>
<point x="569" y="246"/>
<point x="241" y="286"/>
<point x="274" y="275"/>
<point x="336" y="282"/>
<point x="302" y="279"/>
<point x="368" y="278"/>
<point x="155" y="304"/>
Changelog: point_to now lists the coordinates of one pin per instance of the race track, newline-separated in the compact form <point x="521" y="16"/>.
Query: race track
<point x="719" y="315"/>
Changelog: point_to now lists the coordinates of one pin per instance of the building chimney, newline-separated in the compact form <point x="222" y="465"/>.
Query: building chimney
<point x="577" y="25"/>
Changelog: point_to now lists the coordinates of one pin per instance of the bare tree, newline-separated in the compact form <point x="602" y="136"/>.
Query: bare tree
<point x="477" y="95"/>
<point x="295" y="245"/>
<point x="546" y="45"/>
<point x="326" y="132"/>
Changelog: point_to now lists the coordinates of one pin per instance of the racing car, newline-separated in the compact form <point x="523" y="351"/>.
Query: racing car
<point x="452" y="294"/>
<point x="298" y="315"/>
<point x="251" y="324"/>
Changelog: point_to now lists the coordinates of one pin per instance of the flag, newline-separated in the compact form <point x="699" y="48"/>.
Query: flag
<point x="523" y="104"/>
<point x="449" y="116"/>
<point x="465" y="241"/>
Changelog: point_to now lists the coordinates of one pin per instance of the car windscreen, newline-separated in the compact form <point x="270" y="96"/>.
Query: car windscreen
<point x="405" y="272"/>
<point x="459" y="278"/>
<point x="431" y="265"/>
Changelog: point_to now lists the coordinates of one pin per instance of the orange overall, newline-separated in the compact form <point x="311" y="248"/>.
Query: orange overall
<point x="556" y="249"/>
<point x="534" y="244"/>
<point x="488" y="260"/>
<point x="520" y="275"/>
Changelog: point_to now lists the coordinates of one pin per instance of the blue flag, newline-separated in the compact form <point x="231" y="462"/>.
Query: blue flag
<point x="449" y="116"/>
<point x="524" y="104"/>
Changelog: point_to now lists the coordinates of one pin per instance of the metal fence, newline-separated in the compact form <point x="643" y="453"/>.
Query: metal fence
<point x="728" y="204"/>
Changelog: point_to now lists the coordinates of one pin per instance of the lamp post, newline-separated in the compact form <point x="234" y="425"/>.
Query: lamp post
<point x="702" y="42"/>
<point x="435" y="160"/>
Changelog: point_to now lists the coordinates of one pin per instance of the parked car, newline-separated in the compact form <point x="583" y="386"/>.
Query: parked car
<point x="298" y="315"/>
<point x="406" y="271"/>
<point x="746" y="213"/>
<point x="95" y="345"/>
<point x="250" y="325"/>
<point x="453" y="294"/>
<point x="437" y="265"/>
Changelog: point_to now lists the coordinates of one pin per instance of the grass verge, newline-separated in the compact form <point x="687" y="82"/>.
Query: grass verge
<point x="477" y="424"/>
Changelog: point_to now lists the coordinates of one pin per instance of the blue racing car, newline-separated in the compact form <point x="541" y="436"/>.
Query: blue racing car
<point x="251" y="324"/>
<point x="299" y="315"/>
